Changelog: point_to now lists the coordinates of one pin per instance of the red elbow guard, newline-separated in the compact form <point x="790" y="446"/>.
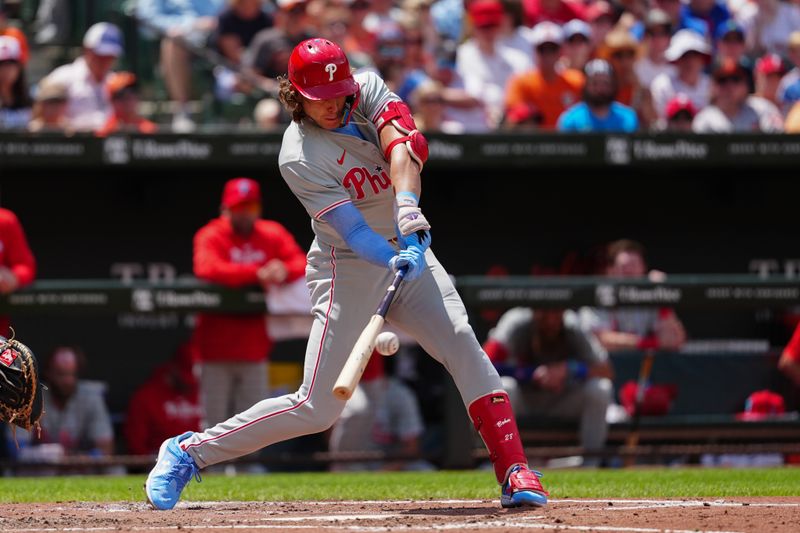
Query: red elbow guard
<point x="399" y="115"/>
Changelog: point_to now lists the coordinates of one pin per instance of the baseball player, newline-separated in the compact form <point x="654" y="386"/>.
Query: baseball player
<point x="352" y="155"/>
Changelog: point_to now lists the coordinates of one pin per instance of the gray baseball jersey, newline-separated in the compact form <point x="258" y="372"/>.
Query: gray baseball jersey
<point x="326" y="169"/>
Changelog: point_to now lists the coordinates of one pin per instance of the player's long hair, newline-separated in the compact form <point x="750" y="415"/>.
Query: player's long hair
<point x="290" y="98"/>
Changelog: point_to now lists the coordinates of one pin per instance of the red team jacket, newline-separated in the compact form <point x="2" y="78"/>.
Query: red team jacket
<point x="15" y="254"/>
<point x="221" y="256"/>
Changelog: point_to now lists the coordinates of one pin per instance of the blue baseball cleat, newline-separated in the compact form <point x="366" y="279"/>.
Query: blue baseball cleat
<point x="174" y="469"/>
<point x="523" y="488"/>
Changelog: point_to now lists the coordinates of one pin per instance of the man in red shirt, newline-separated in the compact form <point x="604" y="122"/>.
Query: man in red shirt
<point x="239" y="249"/>
<point x="789" y="362"/>
<point x="167" y="402"/>
<point x="17" y="265"/>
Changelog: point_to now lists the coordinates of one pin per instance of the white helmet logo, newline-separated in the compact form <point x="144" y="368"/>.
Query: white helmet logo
<point x="330" y="68"/>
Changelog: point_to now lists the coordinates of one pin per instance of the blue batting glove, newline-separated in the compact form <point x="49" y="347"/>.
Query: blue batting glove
<point x="411" y="258"/>
<point x="420" y="239"/>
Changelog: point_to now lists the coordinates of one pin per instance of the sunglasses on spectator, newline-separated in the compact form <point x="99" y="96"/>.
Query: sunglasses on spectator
<point x="413" y="42"/>
<point x="359" y="5"/>
<point x="578" y="39"/>
<point x="681" y="116"/>
<point x="623" y="54"/>
<point x="722" y="80"/>
<point x="658" y="33"/>
<point x="548" y="48"/>
<point x="8" y="62"/>
<point x="737" y="38"/>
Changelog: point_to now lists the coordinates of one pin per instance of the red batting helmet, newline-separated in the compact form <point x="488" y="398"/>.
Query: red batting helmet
<point x="319" y="69"/>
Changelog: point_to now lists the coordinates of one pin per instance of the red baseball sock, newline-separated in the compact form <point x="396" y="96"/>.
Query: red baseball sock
<point x="495" y="422"/>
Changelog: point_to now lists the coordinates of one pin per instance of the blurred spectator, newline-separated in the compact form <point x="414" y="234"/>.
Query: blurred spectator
<point x="485" y="65"/>
<point x="167" y="403"/>
<point x="657" y="32"/>
<point x="461" y="111"/>
<point x="237" y="25"/>
<point x="15" y="103"/>
<point x="730" y="44"/>
<point x="76" y="416"/>
<point x="546" y="88"/>
<point x="793" y="76"/>
<point x="733" y="108"/>
<point x="632" y="328"/>
<point x="359" y="43"/>
<point x="383" y="415"/>
<point x="558" y="11"/>
<point x="7" y="30"/>
<point x="673" y="10"/>
<point x="621" y="50"/>
<point x="122" y="90"/>
<point x="789" y="362"/>
<point x="267" y="56"/>
<point x="50" y="108"/>
<point x="513" y="31"/>
<point x="680" y="114"/>
<point x="178" y="22"/>
<point x="549" y="366"/>
<point x="267" y="114"/>
<point x="770" y="69"/>
<point x="390" y="57"/>
<point x="792" y="124"/>
<point x="88" y="104"/>
<point x="523" y="117"/>
<point x="768" y="25"/>
<point x="53" y="22"/>
<point x="599" y="111"/>
<point x="448" y="18"/>
<point x="577" y="44"/>
<point x="601" y="17"/>
<point x="690" y="54"/>
<point x="236" y="250"/>
<point x="17" y="264"/>
<point x="704" y="16"/>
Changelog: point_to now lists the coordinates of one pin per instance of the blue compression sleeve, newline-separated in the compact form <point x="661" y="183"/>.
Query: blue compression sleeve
<point x="350" y="224"/>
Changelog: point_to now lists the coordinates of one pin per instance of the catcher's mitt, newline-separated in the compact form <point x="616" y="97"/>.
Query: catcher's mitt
<point x="20" y="388"/>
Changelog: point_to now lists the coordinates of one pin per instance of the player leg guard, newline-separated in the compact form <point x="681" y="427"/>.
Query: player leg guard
<point x="495" y="422"/>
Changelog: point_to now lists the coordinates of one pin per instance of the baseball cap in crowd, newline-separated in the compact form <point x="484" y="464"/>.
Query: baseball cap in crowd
<point x="577" y="27"/>
<point x="618" y="41"/>
<point x="771" y="64"/>
<point x="119" y="82"/>
<point x="486" y="13"/>
<point x="9" y="49"/>
<point x="598" y="10"/>
<point x="680" y="104"/>
<point x="685" y="41"/>
<point x="104" y="39"/>
<point x="547" y="32"/>
<point x="657" y="17"/>
<point x="728" y="27"/>
<point x="598" y="67"/>
<point x="762" y="404"/>
<point x="240" y="190"/>
<point x="51" y="91"/>
<point x="729" y="67"/>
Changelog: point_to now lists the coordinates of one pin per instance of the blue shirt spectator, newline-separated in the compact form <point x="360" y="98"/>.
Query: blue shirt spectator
<point x="704" y="16"/>
<point x="580" y="118"/>
<point x="178" y="15"/>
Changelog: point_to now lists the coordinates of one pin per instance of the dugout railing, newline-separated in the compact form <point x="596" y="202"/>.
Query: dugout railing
<point x="718" y="381"/>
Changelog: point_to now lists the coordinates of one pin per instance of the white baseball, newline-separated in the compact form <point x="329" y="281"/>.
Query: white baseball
<point x="387" y="343"/>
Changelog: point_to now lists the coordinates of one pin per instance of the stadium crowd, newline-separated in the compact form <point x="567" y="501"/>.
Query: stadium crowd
<point x="465" y="66"/>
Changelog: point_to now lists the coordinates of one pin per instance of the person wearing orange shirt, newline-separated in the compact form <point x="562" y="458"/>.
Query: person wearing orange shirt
<point x="238" y="249"/>
<point x="122" y="90"/>
<point x="17" y="264"/>
<point x="547" y="88"/>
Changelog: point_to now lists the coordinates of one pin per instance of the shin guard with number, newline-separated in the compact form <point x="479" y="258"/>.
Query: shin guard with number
<point x="495" y="422"/>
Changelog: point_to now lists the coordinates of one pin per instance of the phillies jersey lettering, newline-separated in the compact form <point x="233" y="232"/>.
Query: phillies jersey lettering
<point x="312" y="162"/>
<point x="247" y="255"/>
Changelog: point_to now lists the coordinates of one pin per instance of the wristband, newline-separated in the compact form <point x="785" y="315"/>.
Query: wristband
<point x="649" y="342"/>
<point x="406" y="198"/>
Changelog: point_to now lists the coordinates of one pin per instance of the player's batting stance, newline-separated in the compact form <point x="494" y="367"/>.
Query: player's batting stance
<point x="352" y="156"/>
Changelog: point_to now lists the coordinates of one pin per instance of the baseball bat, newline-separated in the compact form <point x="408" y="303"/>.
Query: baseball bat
<point x="362" y="349"/>
<point x="644" y="376"/>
